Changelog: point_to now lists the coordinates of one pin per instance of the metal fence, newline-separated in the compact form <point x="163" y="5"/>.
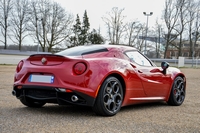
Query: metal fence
<point x="195" y="63"/>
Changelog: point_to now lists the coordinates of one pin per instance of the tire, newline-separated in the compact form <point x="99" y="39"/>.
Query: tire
<point x="110" y="97"/>
<point x="30" y="103"/>
<point x="177" y="94"/>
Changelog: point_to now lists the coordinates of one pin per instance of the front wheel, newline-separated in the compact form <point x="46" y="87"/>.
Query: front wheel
<point x="31" y="103"/>
<point x="110" y="97"/>
<point x="177" y="94"/>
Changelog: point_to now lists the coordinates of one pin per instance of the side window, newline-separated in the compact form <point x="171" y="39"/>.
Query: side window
<point x="138" y="58"/>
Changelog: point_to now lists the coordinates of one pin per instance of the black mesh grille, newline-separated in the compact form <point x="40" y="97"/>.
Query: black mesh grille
<point x="40" y="93"/>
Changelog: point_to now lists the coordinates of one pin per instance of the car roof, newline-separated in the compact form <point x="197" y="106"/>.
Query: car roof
<point x="94" y="48"/>
<point x="121" y="48"/>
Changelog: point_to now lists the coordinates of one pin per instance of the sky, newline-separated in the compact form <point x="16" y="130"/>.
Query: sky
<point x="96" y="9"/>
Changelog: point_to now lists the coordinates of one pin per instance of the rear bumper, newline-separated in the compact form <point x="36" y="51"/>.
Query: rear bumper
<point x="52" y="95"/>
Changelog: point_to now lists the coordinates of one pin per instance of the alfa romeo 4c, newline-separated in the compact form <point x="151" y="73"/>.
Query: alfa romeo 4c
<point x="104" y="77"/>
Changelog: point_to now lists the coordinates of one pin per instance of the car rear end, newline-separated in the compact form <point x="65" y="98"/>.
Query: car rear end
<point x="52" y="78"/>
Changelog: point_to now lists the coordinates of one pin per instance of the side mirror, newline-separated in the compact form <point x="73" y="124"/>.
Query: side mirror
<point x="164" y="66"/>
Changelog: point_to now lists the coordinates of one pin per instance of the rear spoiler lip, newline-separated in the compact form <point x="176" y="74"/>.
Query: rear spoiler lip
<point x="47" y="54"/>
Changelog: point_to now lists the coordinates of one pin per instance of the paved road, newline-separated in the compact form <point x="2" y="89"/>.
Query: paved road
<point x="11" y="59"/>
<point x="144" y="118"/>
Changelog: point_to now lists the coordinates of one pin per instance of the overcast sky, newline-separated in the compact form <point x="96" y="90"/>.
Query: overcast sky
<point x="96" y="9"/>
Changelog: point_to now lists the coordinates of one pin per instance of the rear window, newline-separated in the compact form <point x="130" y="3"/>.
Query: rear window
<point x="82" y="50"/>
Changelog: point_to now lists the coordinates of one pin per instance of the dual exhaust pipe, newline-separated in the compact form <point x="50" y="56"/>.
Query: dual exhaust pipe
<point x="74" y="98"/>
<point x="14" y="93"/>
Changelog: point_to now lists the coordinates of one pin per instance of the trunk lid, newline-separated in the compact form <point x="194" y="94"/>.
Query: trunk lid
<point x="46" y="59"/>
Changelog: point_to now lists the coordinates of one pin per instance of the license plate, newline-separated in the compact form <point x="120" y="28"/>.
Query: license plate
<point x="41" y="78"/>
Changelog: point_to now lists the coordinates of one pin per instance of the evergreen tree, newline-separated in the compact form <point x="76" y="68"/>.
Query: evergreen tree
<point x="75" y="40"/>
<point x="85" y="29"/>
<point x="82" y="35"/>
<point x="95" y="38"/>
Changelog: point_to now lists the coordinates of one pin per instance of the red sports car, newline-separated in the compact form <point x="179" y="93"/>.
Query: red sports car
<point x="104" y="77"/>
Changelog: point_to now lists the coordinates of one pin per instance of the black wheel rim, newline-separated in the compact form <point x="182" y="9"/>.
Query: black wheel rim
<point x="179" y="91"/>
<point x="112" y="96"/>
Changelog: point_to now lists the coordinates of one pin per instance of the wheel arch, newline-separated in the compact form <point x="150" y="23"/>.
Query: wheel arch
<point x="176" y="101"/>
<point x="120" y="78"/>
<point x="178" y="75"/>
<point x="97" y="107"/>
<point x="182" y="76"/>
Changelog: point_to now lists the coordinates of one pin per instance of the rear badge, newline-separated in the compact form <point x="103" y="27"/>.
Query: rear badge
<point x="43" y="60"/>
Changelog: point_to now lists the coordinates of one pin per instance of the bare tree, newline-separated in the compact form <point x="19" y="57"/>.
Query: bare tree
<point x="133" y="30"/>
<point x="170" y="16"/>
<point x="192" y="7"/>
<point x="114" y="24"/>
<point x="50" y="23"/>
<point x="158" y="33"/>
<point x="140" y="41"/>
<point x="5" y="9"/>
<point x="19" y="21"/>
<point x="181" y="27"/>
<point x="194" y="26"/>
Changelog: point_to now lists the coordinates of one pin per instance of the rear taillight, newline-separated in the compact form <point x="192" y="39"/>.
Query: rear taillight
<point x="19" y="66"/>
<point x="79" y="68"/>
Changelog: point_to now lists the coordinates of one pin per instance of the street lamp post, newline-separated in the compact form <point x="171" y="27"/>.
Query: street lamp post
<point x="151" y="13"/>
